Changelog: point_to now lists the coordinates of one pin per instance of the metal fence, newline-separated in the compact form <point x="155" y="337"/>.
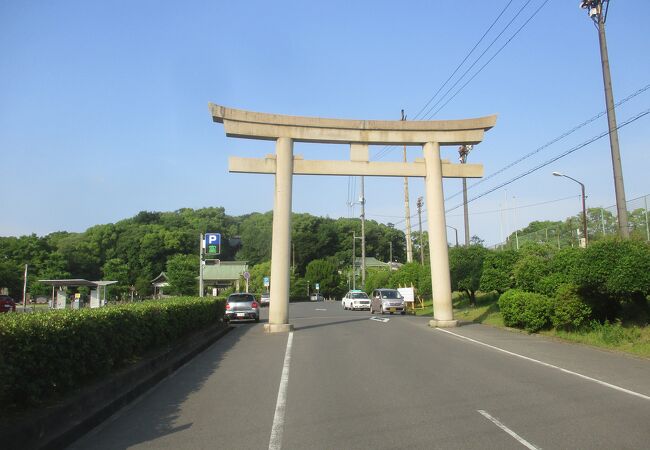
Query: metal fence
<point x="601" y="222"/>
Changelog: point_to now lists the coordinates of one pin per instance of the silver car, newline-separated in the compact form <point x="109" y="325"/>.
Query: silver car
<point x="387" y="301"/>
<point x="265" y="299"/>
<point x="242" y="306"/>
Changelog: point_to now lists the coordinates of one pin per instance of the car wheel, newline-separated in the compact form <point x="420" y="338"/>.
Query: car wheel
<point x="403" y="312"/>
<point x="371" y="311"/>
<point x="257" y="319"/>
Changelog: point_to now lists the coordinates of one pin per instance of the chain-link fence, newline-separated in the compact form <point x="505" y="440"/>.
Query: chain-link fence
<point x="600" y="222"/>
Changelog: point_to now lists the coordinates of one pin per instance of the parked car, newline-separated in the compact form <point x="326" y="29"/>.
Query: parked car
<point x="7" y="304"/>
<point x="242" y="306"/>
<point x="387" y="301"/>
<point x="317" y="298"/>
<point x="356" y="300"/>
<point x="265" y="299"/>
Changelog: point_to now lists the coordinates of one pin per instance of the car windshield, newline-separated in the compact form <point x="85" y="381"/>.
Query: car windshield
<point x="390" y="294"/>
<point x="359" y="295"/>
<point x="266" y="295"/>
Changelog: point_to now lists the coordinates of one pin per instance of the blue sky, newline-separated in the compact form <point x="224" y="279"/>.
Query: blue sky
<point x="103" y="105"/>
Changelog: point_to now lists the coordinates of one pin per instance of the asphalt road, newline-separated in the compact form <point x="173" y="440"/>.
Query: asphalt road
<point x="349" y="382"/>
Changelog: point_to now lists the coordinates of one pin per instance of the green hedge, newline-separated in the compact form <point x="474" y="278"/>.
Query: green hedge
<point x="48" y="354"/>
<point x="526" y="310"/>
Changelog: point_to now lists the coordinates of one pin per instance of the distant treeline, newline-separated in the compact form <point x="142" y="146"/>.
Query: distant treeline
<point x="135" y="250"/>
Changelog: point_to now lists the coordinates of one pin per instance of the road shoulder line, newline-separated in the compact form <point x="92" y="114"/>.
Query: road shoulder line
<point x="579" y="375"/>
<point x="275" y="442"/>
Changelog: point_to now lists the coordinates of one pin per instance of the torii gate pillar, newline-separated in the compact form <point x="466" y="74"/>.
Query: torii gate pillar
<point x="281" y="244"/>
<point x="438" y="254"/>
<point x="284" y="130"/>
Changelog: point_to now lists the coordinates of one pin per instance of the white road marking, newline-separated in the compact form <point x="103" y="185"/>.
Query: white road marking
<point x="320" y="309"/>
<point x="508" y="430"/>
<point x="584" y="377"/>
<point x="275" y="443"/>
<point x="380" y="319"/>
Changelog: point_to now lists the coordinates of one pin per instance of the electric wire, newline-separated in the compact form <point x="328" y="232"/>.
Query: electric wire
<point x="555" y="158"/>
<point x="382" y="153"/>
<point x="552" y="141"/>
<point x="482" y="54"/>
<point x="488" y="61"/>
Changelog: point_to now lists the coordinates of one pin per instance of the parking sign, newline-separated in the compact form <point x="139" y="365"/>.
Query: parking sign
<point x="212" y="243"/>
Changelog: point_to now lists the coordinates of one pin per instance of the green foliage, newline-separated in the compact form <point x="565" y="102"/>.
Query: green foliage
<point x="614" y="333"/>
<point x="532" y="266"/>
<point x="526" y="310"/>
<point x="378" y="278"/>
<point x="256" y="280"/>
<point x="325" y="273"/>
<point x="408" y="275"/>
<point x="498" y="267"/>
<point x="182" y="271"/>
<point x="48" y="354"/>
<point x="466" y="268"/>
<point x="570" y="312"/>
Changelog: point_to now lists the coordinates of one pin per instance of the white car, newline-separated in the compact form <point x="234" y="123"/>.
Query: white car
<point x="356" y="300"/>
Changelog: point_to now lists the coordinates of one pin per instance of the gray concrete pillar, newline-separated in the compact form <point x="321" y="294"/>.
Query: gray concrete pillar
<point x="281" y="244"/>
<point x="438" y="251"/>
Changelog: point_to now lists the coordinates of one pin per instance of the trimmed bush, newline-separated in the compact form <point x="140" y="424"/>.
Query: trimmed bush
<point x="511" y="304"/>
<point x="51" y="353"/>
<point x="570" y="312"/>
<point x="526" y="310"/>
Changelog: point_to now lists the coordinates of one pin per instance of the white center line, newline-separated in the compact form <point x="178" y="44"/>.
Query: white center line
<point x="495" y="421"/>
<point x="275" y="443"/>
<point x="584" y="377"/>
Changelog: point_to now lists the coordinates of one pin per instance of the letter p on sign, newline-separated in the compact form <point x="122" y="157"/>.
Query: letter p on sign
<point x="213" y="243"/>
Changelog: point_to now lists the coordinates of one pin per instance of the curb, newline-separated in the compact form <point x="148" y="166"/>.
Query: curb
<point x="57" y="426"/>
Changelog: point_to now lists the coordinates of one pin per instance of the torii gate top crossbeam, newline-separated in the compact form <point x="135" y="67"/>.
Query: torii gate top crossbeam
<point x="255" y="125"/>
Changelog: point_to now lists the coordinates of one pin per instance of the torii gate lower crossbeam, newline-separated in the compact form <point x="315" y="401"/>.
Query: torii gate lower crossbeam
<point x="287" y="129"/>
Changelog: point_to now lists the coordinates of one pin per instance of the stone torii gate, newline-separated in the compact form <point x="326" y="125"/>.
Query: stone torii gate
<point x="285" y="130"/>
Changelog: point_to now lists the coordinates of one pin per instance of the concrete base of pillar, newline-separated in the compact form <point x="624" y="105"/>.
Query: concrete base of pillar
<point x="278" y="327"/>
<point x="435" y="323"/>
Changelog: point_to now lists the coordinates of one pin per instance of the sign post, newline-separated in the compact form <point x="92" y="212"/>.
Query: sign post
<point x="210" y="245"/>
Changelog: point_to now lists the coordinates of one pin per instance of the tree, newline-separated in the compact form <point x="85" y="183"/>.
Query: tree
<point x="466" y="268"/>
<point x="498" y="267"/>
<point x="325" y="273"/>
<point x="182" y="272"/>
<point x="116" y="270"/>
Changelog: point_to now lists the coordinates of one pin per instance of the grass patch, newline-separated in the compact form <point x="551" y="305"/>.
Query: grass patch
<point x="623" y="337"/>
<point x="613" y="336"/>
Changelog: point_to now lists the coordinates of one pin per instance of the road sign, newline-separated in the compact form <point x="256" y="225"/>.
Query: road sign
<point x="212" y="243"/>
<point x="247" y="275"/>
<point x="317" y="286"/>
<point x="266" y="282"/>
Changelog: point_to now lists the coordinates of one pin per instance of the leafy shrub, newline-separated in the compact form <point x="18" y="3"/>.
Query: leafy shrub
<point x="570" y="312"/>
<point x="511" y="304"/>
<point x="498" y="267"/>
<point x="50" y="353"/>
<point x="526" y="310"/>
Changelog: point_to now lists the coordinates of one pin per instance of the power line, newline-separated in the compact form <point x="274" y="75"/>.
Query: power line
<point x="383" y="152"/>
<point x="465" y="59"/>
<point x="488" y="61"/>
<point x="553" y="141"/>
<point x="481" y="56"/>
<point x="552" y="160"/>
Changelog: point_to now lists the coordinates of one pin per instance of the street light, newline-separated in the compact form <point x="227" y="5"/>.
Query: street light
<point x="584" y="209"/>
<point x="597" y="11"/>
<point x="449" y="226"/>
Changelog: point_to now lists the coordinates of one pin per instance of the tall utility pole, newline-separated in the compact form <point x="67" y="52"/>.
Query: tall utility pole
<point x="419" y="204"/>
<point x="595" y="10"/>
<point x="407" y="212"/>
<point x="463" y="151"/>
<point x="354" y="260"/>
<point x="363" y="236"/>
